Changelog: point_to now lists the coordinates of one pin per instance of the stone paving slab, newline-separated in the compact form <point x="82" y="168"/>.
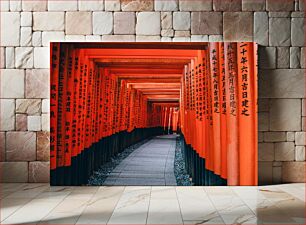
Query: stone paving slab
<point x="150" y="164"/>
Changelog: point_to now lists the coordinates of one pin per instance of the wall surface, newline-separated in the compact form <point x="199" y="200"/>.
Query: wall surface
<point x="28" y="26"/>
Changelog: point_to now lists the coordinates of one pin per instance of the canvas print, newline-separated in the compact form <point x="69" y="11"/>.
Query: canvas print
<point x="166" y="114"/>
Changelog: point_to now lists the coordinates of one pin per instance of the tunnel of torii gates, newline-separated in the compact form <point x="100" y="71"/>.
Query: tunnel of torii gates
<point x="108" y="96"/>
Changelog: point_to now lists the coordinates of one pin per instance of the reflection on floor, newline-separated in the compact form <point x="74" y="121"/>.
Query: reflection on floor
<point x="41" y="204"/>
<point x="150" y="164"/>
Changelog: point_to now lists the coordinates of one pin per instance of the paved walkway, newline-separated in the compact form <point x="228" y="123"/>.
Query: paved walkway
<point x="151" y="164"/>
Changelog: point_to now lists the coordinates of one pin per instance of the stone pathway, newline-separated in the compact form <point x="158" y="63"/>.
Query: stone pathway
<point x="151" y="164"/>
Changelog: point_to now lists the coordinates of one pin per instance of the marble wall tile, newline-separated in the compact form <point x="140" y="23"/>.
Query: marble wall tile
<point x="279" y="32"/>
<point x="48" y="21"/>
<point x="61" y="5"/>
<point x="290" y="136"/>
<point x="280" y="5"/>
<point x="297" y="32"/>
<point x="21" y="122"/>
<point x="49" y="36"/>
<point x="261" y="28"/>
<point x="41" y="57"/>
<point x="265" y="152"/>
<point x="24" y="57"/>
<point x="2" y="57"/>
<point x="7" y="114"/>
<point x="166" y="20"/>
<point x="267" y="57"/>
<point x="34" y="123"/>
<point x="2" y="146"/>
<point x="238" y="26"/>
<point x="265" y="173"/>
<point x="20" y="146"/>
<point x="15" y="6"/>
<point x="295" y="57"/>
<point x="14" y="171"/>
<point x="112" y="5"/>
<point x="26" y="19"/>
<point x="39" y="172"/>
<point x="45" y="122"/>
<point x="78" y="23"/>
<point x="275" y="136"/>
<point x="227" y="5"/>
<point x="283" y="57"/>
<point x="34" y="5"/>
<point x="37" y="39"/>
<point x="137" y="5"/>
<point x="281" y="83"/>
<point x="9" y="58"/>
<point x="43" y="146"/>
<point x="181" y="21"/>
<point x="10" y="28"/>
<point x="102" y="22"/>
<point x="293" y="172"/>
<point x="28" y="106"/>
<point x="284" y="151"/>
<point x="285" y="115"/>
<point x="36" y="85"/>
<point x="118" y="38"/>
<point x="91" y="5"/>
<point x="263" y="121"/>
<point x="206" y="23"/>
<point x="300" y="153"/>
<point x="169" y="5"/>
<point x="124" y="22"/>
<point x="203" y="5"/>
<point x="300" y="138"/>
<point x="253" y="5"/>
<point x="142" y="27"/>
<point x="26" y="36"/>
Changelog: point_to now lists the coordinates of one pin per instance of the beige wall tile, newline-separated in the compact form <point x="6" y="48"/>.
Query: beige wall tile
<point x="206" y="23"/>
<point x="227" y="5"/>
<point x="293" y="172"/>
<point x="21" y="122"/>
<point x="20" y="146"/>
<point x="203" y="5"/>
<point x="7" y="114"/>
<point x="124" y="22"/>
<point x="43" y="146"/>
<point x="169" y="5"/>
<point x="238" y="26"/>
<point x="28" y="106"/>
<point x="14" y="172"/>
<point x="284" y="151"/>
<point x="57" y="5"/>
<point x="12" y="83"/>
<point x="39" y="172"/>
<point x="285" y="115"/>
<point x="36" y="85"/>
<point x="10" y="28"/>
<point x="137" y="5"/>
<point x="48" y="21"/>
<point x="78" y="23"/>
<point x="141" y="26"/>
<point x="2" y="146"/>
<point x="34" y="5"/>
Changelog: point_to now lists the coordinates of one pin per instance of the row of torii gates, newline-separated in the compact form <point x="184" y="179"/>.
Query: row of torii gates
<point x="108" y="96"/>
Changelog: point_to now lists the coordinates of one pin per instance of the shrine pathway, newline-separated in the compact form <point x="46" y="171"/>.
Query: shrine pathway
<point x="150" y="164"/>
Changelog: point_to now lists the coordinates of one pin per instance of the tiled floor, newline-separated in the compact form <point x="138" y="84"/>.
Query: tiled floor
<point x="150" y="164"/>
<point x="41" y="204"/>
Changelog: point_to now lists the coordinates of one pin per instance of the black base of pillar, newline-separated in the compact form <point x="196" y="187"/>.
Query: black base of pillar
<point x="195" y="166"/>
